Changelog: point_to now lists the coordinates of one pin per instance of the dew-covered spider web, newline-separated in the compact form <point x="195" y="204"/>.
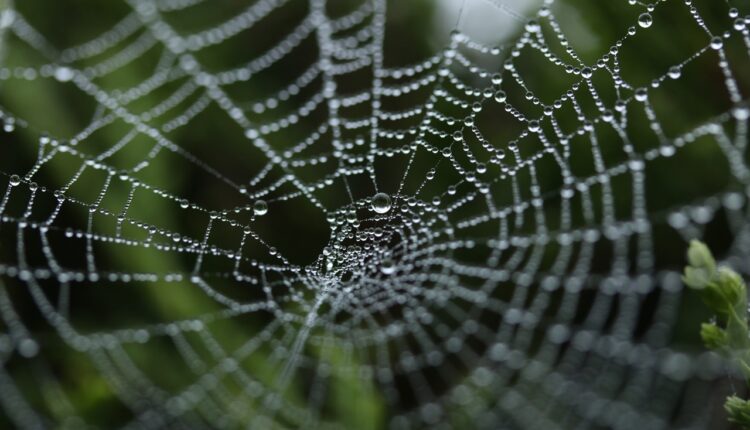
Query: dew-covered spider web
<point x="366" y="214"/>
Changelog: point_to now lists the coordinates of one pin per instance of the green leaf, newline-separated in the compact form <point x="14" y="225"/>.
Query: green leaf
<point x="696" y="278"/>
<point x="738" y="411"/>
<point x="713" y="296"/>
<point x="725" y="293"/>
<point x="713" y="336"/>
<point x="731" y="286"/>
<point x="700" y="256"/>
<point x="702" y="266"/>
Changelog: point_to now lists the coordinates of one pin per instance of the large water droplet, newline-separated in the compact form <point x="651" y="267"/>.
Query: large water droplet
<point x="500" y="96"/>
<point x="716" y="43"/>
<point x="63" y="74"/>
<point x="674" y="72"/>
<point x="741" y="113"/>
<point x="641" y="94"/>
<point x="533" y="26"/>
<point x="645" y="20"/>
<point x="28" y="348"/>
<point x="15" y="180"/>
<point x="534" y="126"/>
<point x="260" y="207"/>
<point x="381" y="203"/>
<point x="387" y="266"/>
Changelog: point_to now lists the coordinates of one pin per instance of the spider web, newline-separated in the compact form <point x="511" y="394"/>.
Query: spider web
<point x="469" y="240"/>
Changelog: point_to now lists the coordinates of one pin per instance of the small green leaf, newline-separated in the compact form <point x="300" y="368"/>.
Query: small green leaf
<point x="700" y="256"/>
<point x="702" y="266"/>
<point x="725" y="293"/>
<point x="731" y="285"/>
<point x="713" y="296"/>
<point x="738" y="411"/>
<point x="696" y="278"/>
<point x="713" y="336"/>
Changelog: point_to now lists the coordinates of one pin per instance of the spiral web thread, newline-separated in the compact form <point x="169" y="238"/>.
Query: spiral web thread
<point x="477" y="304"/>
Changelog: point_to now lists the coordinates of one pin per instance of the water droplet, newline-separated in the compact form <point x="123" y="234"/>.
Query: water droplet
<point x="9" y="124"/>
<point x="28" y="348"/>
<point x="741" y="113"/>
<point x="534" y="126"/>
<point x="387" y="266"/>
<point x="260" y="207"/>
<point x="15" y="180"/>
<point x="716" y="43"/>
<point x="381" y="203"/>
<point x="641" y="94"/>
<point x="586" y="72"/>
<point x="184" y="203"/>
<point x="63" y="74"/>
<point x="500" y="96"/>
<point x="674" y="72"/>
<point x="645" y="20"/>
<point x="533" y="26"/>
<point x="636" y="165"/>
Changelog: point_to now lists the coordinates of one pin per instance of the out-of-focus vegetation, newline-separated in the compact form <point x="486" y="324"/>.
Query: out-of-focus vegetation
<point x="725" y="294"/>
